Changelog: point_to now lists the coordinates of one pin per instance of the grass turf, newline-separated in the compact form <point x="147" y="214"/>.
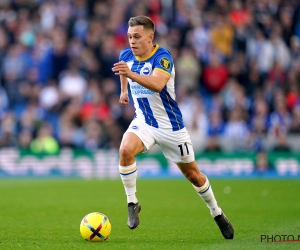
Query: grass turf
<point x="45" y="214"/>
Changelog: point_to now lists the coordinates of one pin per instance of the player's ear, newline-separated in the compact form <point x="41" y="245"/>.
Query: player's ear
<point x="151" y="36"/>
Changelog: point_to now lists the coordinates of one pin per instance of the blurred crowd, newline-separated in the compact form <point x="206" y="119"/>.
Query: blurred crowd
<point x="237" y="71"/>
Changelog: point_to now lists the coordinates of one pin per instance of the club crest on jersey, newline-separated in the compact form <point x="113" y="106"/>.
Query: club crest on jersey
<point x="165" y="63"/>
<point x="146" y="70"/>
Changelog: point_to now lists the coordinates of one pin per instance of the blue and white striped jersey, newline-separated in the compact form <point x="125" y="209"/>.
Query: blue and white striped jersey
<point x="159" y="110"/>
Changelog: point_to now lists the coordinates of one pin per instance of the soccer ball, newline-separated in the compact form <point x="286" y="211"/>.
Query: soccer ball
<point x="95" y="227"/>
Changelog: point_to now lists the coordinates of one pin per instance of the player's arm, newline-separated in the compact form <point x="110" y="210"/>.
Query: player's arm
<point x="155" y="82"/>
<point x="124" y="99"/>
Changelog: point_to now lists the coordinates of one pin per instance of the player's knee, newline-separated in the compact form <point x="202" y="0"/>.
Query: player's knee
<point x="125" y="153"/>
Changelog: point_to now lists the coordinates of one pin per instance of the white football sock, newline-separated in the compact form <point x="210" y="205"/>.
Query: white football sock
<point x="128" y="175"/>
<point x="207" y="195"/>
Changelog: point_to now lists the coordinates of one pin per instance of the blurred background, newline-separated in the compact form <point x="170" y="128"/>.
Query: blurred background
<point x="237" y="83"/>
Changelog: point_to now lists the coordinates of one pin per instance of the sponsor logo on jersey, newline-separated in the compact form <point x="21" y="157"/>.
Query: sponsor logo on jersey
<point x="135" y="127"/>
<point x="165" y="63"/>
<point x="140" y="90"/>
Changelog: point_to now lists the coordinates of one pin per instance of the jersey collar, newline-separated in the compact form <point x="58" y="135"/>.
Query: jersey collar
<point x="151" y="54"/>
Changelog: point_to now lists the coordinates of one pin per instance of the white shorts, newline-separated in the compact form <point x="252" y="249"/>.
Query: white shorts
<point x="176" y="145"/>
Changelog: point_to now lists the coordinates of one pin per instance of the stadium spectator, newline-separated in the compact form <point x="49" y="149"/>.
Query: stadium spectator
<point x="24" y="139"/>
<point x="253" y="80"/>
<point x="188" y="69"/>
<point x="46" y="46"/>
<point x="280" y="118"/>
<point x="44" y="142"/>
<point x="295" y="126"/>
<point x="262" y="164"/>
<point x="198" y="37"/>
<point x="7" y="131"/>
<point x="216" y="123"/>
<point x="259" y="121"/>
<point x="3" y="102"/>
<point x="293" y="96"/>
<point x="212" y="144"/>
<point x="239" y="15"/>
<point x="215" y="75"/>
<point x="236" y="131"/>
<point x="281" y="144"/>
<point x="222" y="35"/>
<point x="71" y="83"/>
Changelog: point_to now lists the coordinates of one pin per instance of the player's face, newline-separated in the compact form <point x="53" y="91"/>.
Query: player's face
<point x="140" y="40"/>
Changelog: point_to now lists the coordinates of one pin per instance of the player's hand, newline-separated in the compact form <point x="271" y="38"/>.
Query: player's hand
<point x="121" y="68"/>
<point x="124" y="99"/>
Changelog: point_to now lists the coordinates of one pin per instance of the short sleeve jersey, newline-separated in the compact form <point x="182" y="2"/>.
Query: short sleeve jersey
<point x="159" y="110"/>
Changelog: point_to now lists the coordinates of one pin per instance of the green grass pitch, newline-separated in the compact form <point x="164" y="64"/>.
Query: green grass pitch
<point x="46" y="213"/>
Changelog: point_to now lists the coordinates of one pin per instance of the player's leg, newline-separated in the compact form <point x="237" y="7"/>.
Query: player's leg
<point x="131" y="145"/>
<point x="177" y="147"/>
<point x="137" y="139"/>
<point x="201" y="185"/>
<point x="203" y="188"/>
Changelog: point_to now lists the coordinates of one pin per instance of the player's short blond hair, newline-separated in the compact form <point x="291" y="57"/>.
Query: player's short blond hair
<point x="145" y="21"/>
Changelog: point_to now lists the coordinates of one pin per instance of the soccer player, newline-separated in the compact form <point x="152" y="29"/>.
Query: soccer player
<point x="149" y="69"/>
